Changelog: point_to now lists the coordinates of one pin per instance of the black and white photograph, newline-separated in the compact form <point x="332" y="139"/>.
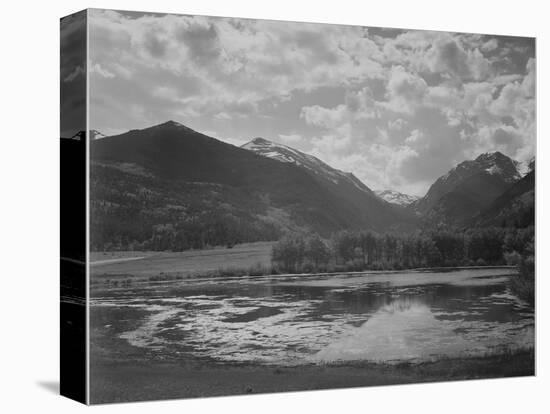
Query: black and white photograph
<point x="275" y="207"/>
<point x="286" y="206"/>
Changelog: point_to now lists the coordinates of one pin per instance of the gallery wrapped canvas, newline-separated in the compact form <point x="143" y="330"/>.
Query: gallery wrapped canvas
<point x="253" y="206"/>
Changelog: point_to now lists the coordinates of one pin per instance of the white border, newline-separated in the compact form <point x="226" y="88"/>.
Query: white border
<point x="29" y="167"/>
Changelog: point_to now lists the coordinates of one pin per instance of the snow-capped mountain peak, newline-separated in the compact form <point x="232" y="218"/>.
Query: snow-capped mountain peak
<point x="395" y="197"/>
<point x="526" y="166"/>
<point x="283" y="153"/>
<point x="275" y="151"/>
<point x="95" y="134"/>
<point x="496" y="163"/>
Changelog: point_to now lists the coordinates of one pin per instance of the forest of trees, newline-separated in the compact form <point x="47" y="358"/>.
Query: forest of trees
<point x="141" y="213"/>
<point x="208" y="230"/>
<point x="524" y="285"/>
<point x="365" y="250"/>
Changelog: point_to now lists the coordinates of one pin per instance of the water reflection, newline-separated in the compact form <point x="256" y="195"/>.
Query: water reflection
<point x="404" y="329"/>
<point x="385" y="317"/>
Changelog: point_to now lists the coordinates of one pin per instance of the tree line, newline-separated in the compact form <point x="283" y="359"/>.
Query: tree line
<point x="138" y="213"/>
<point x="197" y="232"/>
<point x="366" y="250"/>
<point x="524" y="284"/>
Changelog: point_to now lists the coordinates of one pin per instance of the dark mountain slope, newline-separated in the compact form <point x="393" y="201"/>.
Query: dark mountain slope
<point x="494" y="164"/>
<point x="168" y="177"/>
<point x="466" y="200"/>
<point x="466" y="190"/>
<point x="513" y="208"/>
<point x="286" y="154"/>
<point x="347" y="188"/>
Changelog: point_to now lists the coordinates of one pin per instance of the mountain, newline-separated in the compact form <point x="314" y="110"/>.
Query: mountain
<point x="345" y="186"/>
<point x="525" y="167"/>
<point x="515" y="207"/>
<point x="95" y="134"/>
<point x="170" y="184"/>
<point x="395" y="197"/>
<point x="287" y="154"/>
<point x="468" y="189"/>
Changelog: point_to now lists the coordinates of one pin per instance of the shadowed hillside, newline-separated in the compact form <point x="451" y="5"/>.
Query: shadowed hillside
<point x="169" y="182"/>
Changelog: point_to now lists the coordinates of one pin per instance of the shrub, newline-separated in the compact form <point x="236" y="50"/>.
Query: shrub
<point x="512" y="258"/>
<point x="523" y="285"/>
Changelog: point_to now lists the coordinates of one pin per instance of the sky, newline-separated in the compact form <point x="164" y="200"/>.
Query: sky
<point x="72" y="73"/>
<point x="398" y="108"/>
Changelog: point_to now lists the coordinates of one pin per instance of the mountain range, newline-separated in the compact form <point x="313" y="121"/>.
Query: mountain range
<point x="287" y="154"/>
<point x="395" y="197"/>
<point x="170" y="179"/>
<point x="464" y="192"/>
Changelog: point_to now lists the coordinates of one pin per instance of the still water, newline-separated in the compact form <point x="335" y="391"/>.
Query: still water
<point x="382" y="317"/>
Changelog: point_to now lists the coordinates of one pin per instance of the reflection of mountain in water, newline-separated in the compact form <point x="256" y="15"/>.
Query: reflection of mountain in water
<point x="409" y="329"/>
<point x="385" y="317"/>
<point x="405" y="329"/>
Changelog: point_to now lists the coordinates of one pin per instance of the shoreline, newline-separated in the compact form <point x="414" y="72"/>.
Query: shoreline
<point x="118" y="260"/>
<point x="136" y="380"/>
<point x="179" y="276"/>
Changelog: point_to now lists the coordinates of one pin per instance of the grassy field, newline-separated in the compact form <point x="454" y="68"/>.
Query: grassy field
<point x="147" y="264"/>
<point x="114" y="381"/>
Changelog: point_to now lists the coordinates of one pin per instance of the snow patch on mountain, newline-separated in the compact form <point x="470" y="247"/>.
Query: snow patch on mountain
<point x="395" y="197"/>
<point x="287" y="154"/>
<point x="525" y="167"/>
<point x="493" y="163"/>
<point x="95" y="134"/>
<point x="496" y="163"/>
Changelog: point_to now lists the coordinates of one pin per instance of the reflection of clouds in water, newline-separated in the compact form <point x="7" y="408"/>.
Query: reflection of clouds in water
<point x="378" y="322"/>
<point x="206" y="327"/>
<point x="407" y="329"/>
<point x="404" y="329"/>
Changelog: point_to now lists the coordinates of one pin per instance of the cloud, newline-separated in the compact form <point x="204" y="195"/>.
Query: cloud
<point x="290" y="139"/>
<point x="415" y="137"/>
<point x="489" y="45"/>
<point x="96" y="68"/>
<point x="398" y="108"/>
<point x="449" y="57"/>
<point x="324" y="117"/>
<point x="232" y="59"/>
<point x="397" y="125"/>
<point x="405" y="90"/>
<point x="528" y="84"/>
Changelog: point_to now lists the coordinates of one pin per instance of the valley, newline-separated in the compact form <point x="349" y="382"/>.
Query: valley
<point x="270" y="270"/>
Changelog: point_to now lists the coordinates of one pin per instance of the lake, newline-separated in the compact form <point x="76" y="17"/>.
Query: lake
<point x="388" y="317"/>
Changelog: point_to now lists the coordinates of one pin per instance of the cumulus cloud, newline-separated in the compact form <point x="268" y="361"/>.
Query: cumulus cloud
<point x="489" y="45"/>
<point x="290" y="139"/>
<point x="398" y="108"/>
<point x="405" y="90"/>
<point x="324" y="117"/>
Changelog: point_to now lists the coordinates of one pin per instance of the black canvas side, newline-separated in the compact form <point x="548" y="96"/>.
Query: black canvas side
<point x="73" y="365"/>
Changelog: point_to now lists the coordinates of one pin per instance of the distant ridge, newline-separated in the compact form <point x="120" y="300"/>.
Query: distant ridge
<point x="467" y="189"/>
<point x="195" y="179"/>
<point x="395" y="197"/>
<point x="288" y="154"/>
